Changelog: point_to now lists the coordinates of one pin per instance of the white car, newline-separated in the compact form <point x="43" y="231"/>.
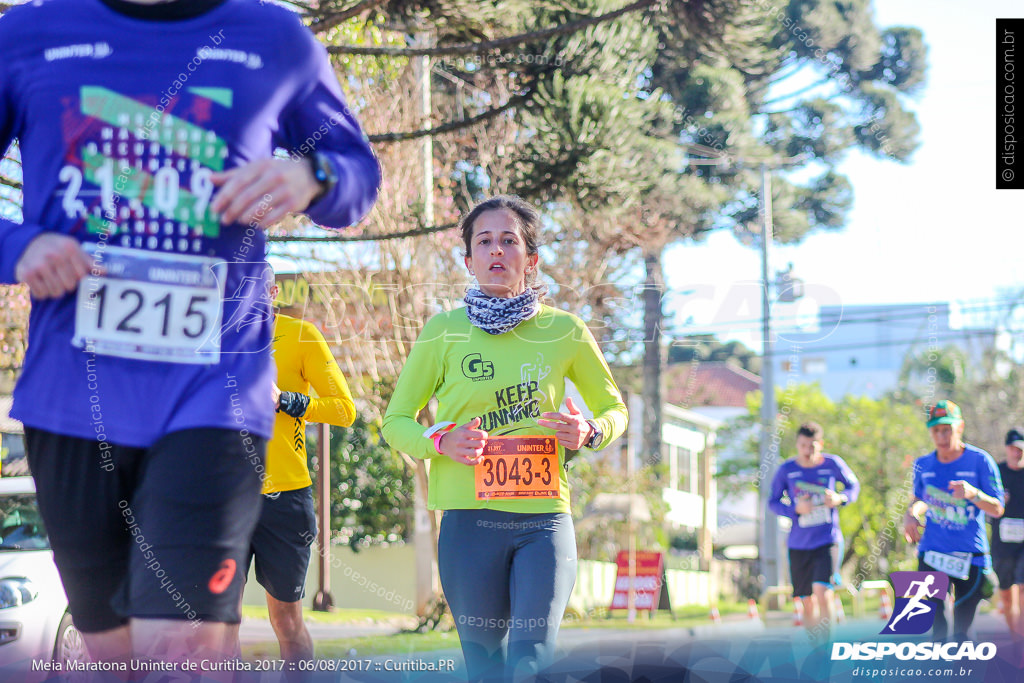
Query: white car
<point x="35" y="625"/>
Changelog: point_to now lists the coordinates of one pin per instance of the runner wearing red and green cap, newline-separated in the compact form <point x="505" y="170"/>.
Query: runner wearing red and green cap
<point x="955" y="487"/>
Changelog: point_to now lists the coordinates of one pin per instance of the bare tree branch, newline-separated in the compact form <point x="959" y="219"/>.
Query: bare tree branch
<point x="478" y="48"/>
<point x="453" y="125"/>
<point x="329" y="21"/>
<point x="366" y="237"/>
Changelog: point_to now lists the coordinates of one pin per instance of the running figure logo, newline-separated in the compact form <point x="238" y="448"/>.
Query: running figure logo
<point x="914" y="612"/>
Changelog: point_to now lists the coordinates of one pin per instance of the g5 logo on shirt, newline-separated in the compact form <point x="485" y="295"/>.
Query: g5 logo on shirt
<point x="476" y="368"/>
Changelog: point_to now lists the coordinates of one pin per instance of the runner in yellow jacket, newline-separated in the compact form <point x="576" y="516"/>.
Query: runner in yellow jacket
<point x="287" y="524"/>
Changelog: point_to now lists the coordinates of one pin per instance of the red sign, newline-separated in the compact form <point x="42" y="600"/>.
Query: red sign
<point x="647" y="580"/>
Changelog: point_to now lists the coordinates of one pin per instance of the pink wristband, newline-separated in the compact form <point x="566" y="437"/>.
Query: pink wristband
<point x="437" y="439"/>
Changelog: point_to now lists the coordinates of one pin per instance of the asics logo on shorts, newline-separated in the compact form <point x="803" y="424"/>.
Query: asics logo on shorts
<point x="221" y="578"/>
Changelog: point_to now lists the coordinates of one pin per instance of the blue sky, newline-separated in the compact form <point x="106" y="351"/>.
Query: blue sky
<point x="931" y="230"/>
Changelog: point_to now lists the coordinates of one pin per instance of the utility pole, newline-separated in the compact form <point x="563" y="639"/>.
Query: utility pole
<point x="423" y="522"/>
<point x="767" y="524"/>
<point x="769" y="527"/>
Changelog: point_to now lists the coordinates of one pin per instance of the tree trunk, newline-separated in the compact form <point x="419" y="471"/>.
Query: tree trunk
<point x="653" y="290"/>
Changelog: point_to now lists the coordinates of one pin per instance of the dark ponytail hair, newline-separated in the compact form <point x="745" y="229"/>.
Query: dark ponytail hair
<point x="526" y="216"/>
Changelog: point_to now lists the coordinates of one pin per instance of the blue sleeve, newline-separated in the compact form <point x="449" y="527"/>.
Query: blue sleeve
<point x="918" y="484"/>
<point x="775" y="503"/>
<point x="849" y="480"/>
<point x="991" y="480"/>
<point x="14" y="237"/>
<point x="319" y="120"/>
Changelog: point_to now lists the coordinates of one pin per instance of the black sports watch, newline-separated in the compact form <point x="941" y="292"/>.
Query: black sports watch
<point x="596" y="436"/>
<point x="324" y="173"/>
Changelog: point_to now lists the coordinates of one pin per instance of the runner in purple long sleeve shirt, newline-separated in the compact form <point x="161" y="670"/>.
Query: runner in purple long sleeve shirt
<point x="810" y="482"/>
<point x="148" y="133"/>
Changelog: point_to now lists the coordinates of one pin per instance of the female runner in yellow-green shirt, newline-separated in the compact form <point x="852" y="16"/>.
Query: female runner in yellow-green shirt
<point x="507" y="549"/>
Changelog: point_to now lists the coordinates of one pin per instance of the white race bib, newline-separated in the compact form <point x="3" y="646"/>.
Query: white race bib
<point x="957" y="565"/>
<point x="1011" y="530"/>
<point x="816" y="517"/>
<point x="152" y="306"/>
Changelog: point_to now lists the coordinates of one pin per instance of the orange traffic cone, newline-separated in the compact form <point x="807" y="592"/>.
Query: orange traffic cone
<point x="840" y="612"/>
<point x="798" y="612"/>
<point x="716" y="618"/>
<point x="752" y="608"/>
<point x="885" y="607"/>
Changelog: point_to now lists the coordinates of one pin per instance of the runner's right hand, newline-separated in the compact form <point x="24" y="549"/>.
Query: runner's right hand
<point x="52" y="264"/>
<point x="803" y="505"/>
<point x="912" y="531"/>
<point x="465" y="443"/>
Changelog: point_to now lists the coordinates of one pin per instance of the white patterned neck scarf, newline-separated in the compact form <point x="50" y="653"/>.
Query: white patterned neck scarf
<point x="495" y="315"/>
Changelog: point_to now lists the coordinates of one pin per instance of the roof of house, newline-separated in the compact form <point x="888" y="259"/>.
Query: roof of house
<point x="709" y="383"/>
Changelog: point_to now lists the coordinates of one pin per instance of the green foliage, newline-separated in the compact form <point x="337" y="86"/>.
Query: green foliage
<point x="683" y="540"/>
<point x="878" y="439"/>
<point x="707" y="347"/>
<point x="371" y="487"/>
<point x="601" y="537"/>
<point x="845" y="31"/>
<point x="989" y="390"/>
<point x="370" y="69"/>
<point x="935" y="372"/>
<point x="903" y="59"/>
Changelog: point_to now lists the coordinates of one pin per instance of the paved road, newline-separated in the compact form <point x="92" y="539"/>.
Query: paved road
<point x="988" y="625"/>
<point x="736" y="650"/>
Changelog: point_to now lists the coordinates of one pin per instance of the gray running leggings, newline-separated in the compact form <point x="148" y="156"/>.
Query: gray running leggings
<point x="507" y="578"/>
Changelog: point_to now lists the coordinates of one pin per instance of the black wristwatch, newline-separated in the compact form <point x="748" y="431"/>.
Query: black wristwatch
<point x="596" y="436"/>
<point x="324" y="173"/>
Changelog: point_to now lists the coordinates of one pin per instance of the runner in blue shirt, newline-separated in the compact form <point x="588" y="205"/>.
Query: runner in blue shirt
<point x="955" y="487"/>
<point x="809" y="482"/>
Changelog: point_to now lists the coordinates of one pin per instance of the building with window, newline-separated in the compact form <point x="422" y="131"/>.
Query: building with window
<point x="860" y="350"/>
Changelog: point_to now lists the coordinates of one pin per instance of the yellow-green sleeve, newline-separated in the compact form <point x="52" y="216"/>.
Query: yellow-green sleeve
<point x="590" y="373"/>
<point x="418" y="382"/>
<point x="333" y="404"/>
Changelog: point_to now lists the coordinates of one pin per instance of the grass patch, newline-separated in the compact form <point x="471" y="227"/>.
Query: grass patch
<point x="338" y="616"/>
<point x="685" y="617"/>
<point x="398" y="644"/>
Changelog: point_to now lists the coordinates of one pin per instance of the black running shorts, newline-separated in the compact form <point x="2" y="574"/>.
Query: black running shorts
<point x="159" y="533"/>
<point x="808" y="567"/>
<point x="280" y="544"/>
